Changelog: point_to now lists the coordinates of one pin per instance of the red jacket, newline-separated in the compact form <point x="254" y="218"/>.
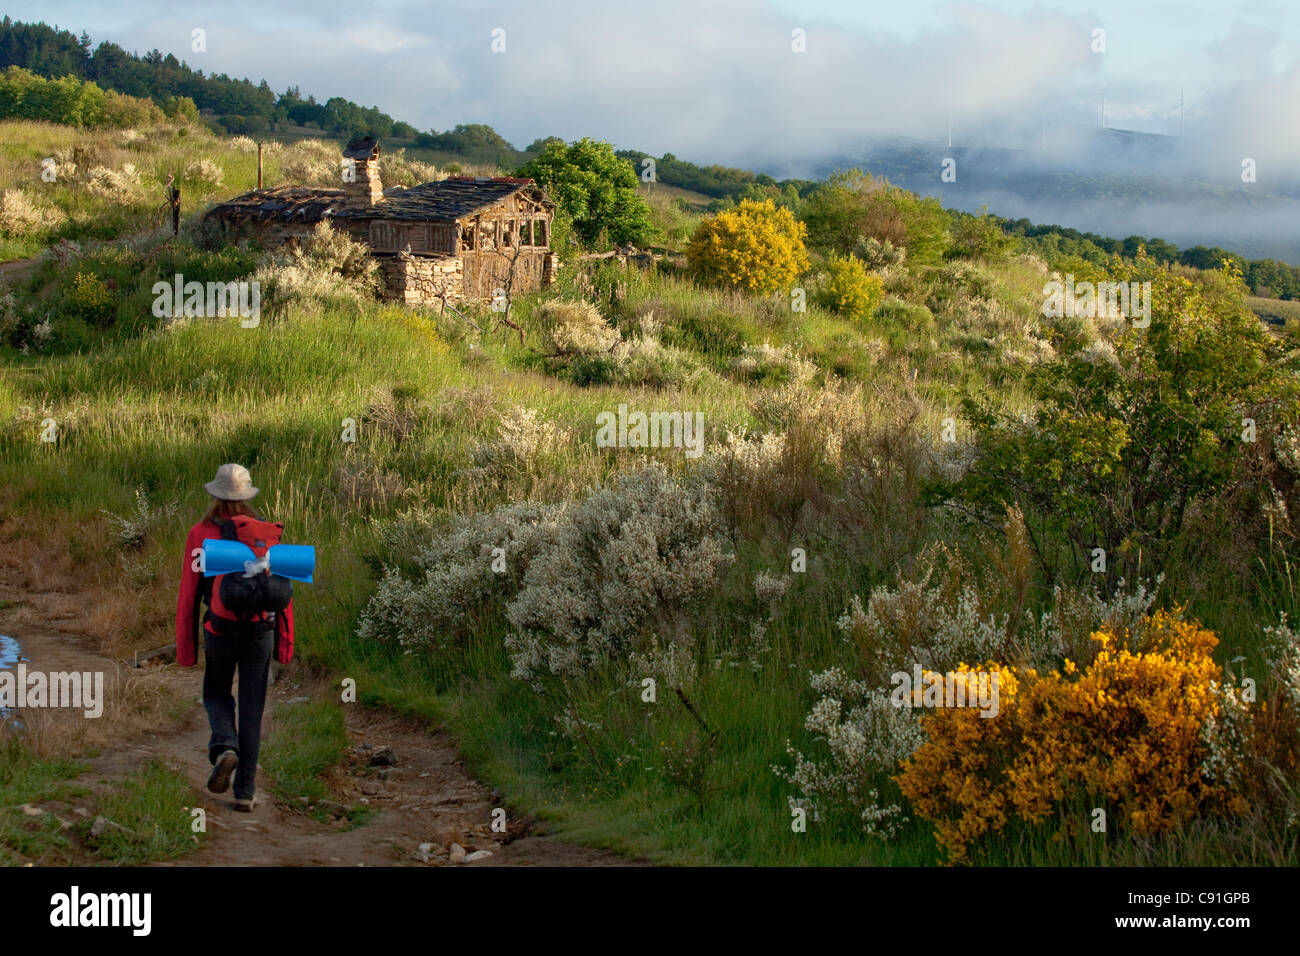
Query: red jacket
<point x="189" y="604"/>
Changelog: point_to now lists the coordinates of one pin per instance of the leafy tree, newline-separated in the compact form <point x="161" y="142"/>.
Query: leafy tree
<point x="539" y="144"/>
<point x="596" y="189"/>
<point x="1126" y="437"/>
<point x="181" y="107"/>
<point x="852" y="204"/>
<point x="464" y="138"/>
<point x="980" y="237"/>
<point x="756" y="247"/>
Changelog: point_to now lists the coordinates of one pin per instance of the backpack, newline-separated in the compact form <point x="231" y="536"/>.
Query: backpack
<point x="244" y="598"/>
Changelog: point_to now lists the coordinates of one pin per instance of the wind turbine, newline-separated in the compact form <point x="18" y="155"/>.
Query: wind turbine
<point x="1179" y="107"/>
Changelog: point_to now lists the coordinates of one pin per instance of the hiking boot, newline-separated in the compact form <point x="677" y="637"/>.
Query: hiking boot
<point x="222" y="770"/>
<point x="245" y="805"/>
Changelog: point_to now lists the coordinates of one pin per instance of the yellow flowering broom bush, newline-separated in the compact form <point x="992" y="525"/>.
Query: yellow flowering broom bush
<point x="1127" y="731"/>
<point x="756" y="248"/>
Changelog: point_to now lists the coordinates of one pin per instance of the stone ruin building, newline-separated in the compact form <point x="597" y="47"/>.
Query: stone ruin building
<point x="437" y="243"/>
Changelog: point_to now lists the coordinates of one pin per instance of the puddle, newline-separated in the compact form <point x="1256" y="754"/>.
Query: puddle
<point x="11" y="652"/>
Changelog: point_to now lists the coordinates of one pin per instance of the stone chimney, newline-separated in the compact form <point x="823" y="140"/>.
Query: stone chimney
<point x="366" y="190"/>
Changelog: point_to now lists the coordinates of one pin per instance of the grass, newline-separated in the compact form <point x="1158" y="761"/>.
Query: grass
<point x="148" y="810"/>
<point x="1275" y="311"/>
<point x="151" y="810"/>
<point x="307" y="740"/>
<point x="24" y="779"/>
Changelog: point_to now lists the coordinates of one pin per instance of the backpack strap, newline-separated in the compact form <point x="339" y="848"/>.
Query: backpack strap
<point x="226" y="627"/>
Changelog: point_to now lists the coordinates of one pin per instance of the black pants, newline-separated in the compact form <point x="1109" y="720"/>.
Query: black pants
<point x="249" y="651"/>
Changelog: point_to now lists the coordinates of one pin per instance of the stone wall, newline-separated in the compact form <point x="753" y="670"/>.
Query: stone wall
<point x="422" y="280"/>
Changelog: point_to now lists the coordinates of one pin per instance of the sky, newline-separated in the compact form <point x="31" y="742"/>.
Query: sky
<point x="721" y="80"/>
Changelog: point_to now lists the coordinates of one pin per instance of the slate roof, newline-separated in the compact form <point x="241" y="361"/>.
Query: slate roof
<point x="307" y="204"/>
<point x="442" y="201"/>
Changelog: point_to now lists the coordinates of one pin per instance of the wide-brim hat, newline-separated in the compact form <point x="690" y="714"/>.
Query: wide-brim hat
<point x="233" y="483"/>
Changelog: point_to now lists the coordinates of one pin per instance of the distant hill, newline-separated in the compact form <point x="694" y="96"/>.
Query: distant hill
<point x="1112" y="182"/>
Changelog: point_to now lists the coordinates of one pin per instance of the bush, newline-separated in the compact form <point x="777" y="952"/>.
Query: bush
<point x="574" y="329"/>
<point x="627" y="565"/>
<point x="1127" y="730"/>
<point x="849" y="289"/>
<point x="1116" y="452"/>
<point x="915" y="319"/>
<point x="310" y="162"/>
<point x="980" y="237"/>
<point x="20" y="215"/>
<point x="399" y="170"/>
<point x="118" y="186"/>
<point x="582" y="581"/>
<point x="851" y="206"/>
<point x="203" y="173"/>
<point x="434" y="613"/>
<point x="329" y="266"/>
<point x="756" y="247"/>
<point x="879" y="255"/>
<point x="90" y="299"/>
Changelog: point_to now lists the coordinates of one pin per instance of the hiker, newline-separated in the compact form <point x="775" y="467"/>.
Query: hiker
<point x="242" y="640"/>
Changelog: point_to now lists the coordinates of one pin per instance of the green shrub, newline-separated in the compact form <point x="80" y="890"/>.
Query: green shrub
<point x="895" y="313"/>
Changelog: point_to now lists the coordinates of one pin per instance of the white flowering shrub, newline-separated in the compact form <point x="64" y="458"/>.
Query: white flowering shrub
<point x="244" y="144"/>
<point x="21" y="215"/>
<point x="132" y="529"/>
<point x="400" y="170"/>
<point x="1286" y="448"/>
<point x="644" y="360"/>
<point x="205" y="173"/>
<point x="770" y="588"/>
<point x="571" y="328"/>
<point x="1282" y="650"/>
<point x="750" y="472"/>
<point x="865" y="737"/>
<point x="672" y="664"/>
<point x="525" y="444"/>
<point x="1226" y="735"/>
<point x="877" y="255"/>
<point x="119" y="186"/>
<point x="311" y="162"/>
<point x="1066" y="628"/>
<point x="458" y="578"/>
<point x="625" y="566"/>
<point x="938" y="624"/>
<point x="766" y="362"/>
<point x="615" y="573"/>
<point x="327" y="266"/>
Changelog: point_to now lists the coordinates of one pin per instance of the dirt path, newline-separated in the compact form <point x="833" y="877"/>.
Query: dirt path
<point x="17" y="268"/>
<point x="427" y="798"/>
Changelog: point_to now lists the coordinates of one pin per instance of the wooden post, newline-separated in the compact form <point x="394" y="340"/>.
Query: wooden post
<point x="259" y="165"/>
<point x="174" y="199"/>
